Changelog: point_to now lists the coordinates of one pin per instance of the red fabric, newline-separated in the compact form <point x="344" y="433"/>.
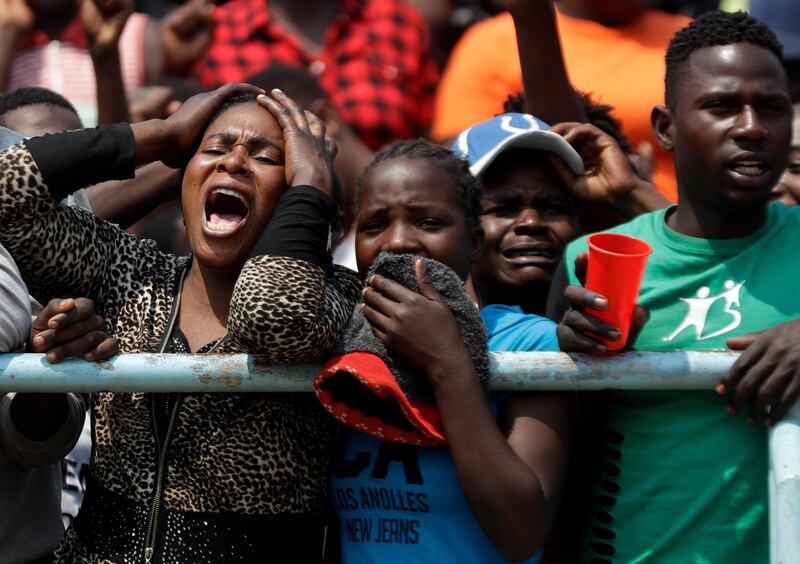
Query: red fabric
<point x="370" y="371"/>
<point x="72" y="34"/>
<point x="375" y="63"/>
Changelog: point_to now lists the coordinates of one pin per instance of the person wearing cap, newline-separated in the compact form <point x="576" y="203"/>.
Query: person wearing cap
<point x="533" y="177"/>
<point x="533" y="180"/>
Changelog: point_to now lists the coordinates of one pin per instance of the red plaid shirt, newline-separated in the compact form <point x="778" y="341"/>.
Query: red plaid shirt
<point x="375" y="65"/>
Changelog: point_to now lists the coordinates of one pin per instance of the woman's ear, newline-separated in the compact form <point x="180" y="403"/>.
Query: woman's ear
<point x="476" y="243"/>
<point x="661" y="120"/>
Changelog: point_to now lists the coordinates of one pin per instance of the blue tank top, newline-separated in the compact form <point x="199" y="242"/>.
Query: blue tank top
<point x="401" y="503"/>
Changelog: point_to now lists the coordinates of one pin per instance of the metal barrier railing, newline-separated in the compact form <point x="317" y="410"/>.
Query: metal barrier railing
<point x="536" y="371"/>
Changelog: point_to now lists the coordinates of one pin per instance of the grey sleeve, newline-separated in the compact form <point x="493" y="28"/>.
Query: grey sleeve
<point x="9" y="137"/>
<point x="28" y="453"/>
<point x="15" y="308"/>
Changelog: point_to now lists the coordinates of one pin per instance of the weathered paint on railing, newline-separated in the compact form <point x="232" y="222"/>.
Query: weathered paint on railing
<point x="242" y="373"/>
<point x="784" y="489"/>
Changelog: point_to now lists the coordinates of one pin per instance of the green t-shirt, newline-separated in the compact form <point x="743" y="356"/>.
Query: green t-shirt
<point x="683" y="481"/>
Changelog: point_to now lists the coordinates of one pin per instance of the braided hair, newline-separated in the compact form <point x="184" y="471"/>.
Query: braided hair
<point x="469" y="187"/>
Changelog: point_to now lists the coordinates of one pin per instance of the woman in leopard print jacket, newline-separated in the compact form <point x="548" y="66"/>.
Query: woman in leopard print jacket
<point x="196" y="478"/>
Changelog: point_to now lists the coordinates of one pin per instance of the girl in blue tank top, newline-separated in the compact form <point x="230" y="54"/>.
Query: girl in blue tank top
<point x="492" y="493"/>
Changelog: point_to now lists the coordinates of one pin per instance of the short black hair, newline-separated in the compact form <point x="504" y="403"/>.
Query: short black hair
<point x="30" y="96"/>
<point x="469" y="187"/>
<point x="710" y="30"/>
<point x="599" y="115"/>
<point x="297" y="83"/>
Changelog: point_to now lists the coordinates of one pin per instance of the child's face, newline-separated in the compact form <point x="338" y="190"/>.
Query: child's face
<point x="411" y="206"/>
<point x="528" y="217"/>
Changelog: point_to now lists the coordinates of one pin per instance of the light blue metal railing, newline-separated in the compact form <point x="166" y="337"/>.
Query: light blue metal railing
<point x="509" y="371"/>
<point x="243" y="373"/>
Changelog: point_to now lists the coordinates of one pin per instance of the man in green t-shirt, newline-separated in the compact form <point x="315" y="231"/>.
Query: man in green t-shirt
<point x="681" y="480"/>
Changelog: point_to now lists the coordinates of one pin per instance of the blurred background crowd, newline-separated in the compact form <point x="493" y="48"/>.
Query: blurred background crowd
<point x="374" y="70"/>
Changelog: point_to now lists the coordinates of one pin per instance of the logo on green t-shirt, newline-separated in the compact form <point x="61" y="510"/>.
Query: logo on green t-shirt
<point x="700" y="307"/>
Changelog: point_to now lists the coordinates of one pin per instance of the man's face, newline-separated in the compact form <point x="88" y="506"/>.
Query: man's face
<point x="731" y="126"/>
<point x="528" y="216"/>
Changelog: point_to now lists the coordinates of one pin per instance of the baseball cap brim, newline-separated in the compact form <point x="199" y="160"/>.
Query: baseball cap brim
<point x="542" y="140"/>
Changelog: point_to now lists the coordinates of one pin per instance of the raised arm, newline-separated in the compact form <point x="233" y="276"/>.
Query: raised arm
<point x="548" y="92"/>
<point x="103" y="22"/>
<point x="176" y="42"/>
<point x="16" y="19"/>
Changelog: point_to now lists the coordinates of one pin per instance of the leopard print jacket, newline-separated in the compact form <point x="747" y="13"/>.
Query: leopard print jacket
<point x="230" y="456"/>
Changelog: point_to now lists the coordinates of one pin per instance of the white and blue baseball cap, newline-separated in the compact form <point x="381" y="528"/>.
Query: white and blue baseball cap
<point x="481" y="144"/>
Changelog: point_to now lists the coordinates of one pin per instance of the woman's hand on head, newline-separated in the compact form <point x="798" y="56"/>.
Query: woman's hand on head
<point x="171" y="140"/>
<point x="308" y="151"/>
<point x="609" y="175"/>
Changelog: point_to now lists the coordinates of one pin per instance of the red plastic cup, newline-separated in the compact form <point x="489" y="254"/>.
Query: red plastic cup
<point x="615" y="271"/>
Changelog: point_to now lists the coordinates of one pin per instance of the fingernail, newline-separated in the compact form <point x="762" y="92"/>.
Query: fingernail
<point x="730" y="409"/>
<point x="614" y="335"/>
<point x="721" y="389"/>
<point x="600" y="303"/>
<point x="277" y="91"/>
<point x="371" y="279"/>
<point x="364" y="291"/>
<point x="38" y="341"/>
<point x="602" y="348"/>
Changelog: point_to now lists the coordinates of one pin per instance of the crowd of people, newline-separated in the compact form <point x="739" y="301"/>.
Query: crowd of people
<point x="394" y="190"/>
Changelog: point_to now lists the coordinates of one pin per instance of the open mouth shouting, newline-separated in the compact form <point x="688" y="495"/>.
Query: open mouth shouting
<point x="225" y="212"/>
<point x="750" y="169"/>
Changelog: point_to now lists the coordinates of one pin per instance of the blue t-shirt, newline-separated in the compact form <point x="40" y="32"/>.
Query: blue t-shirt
<point x="401" y="503"/>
